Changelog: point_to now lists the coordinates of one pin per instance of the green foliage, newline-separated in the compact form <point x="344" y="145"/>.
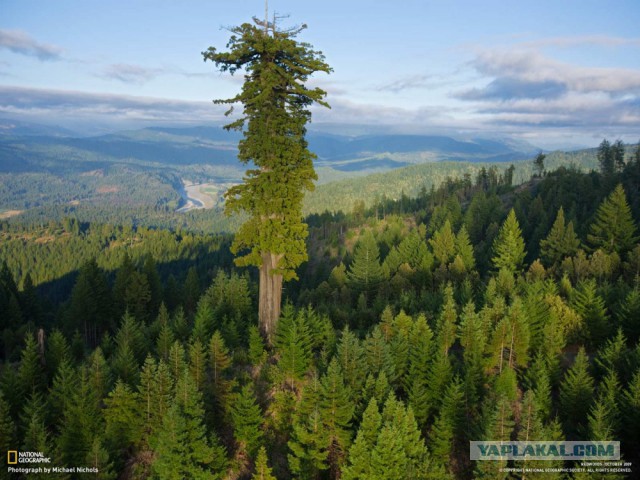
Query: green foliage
<point x="560" y="243"/>
<point x="613" y="229"/>
<point x="293" y="343"/>
<point x="365" y="272"/>
<point x="508" y="247"/>
<point x="262" y="470"/>
<point x="183" y="450"/>
<point x="247" y="421"/>
<point x="576" y="396"/>
<point x="277" y="68"/>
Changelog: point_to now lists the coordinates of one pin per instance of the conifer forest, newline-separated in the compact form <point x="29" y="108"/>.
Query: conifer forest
<point x="372" y="341"/>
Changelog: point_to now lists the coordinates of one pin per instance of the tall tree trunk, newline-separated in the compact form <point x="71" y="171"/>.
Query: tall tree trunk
<point x="270" y="295"/>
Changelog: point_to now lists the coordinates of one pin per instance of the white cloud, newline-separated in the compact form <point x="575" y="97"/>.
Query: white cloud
<point x="21" y="43"/>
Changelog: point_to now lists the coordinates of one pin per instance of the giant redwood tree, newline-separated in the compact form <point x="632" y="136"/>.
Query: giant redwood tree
<point x="276" y="105"/>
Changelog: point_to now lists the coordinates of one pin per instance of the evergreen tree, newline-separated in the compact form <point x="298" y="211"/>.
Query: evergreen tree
<point x="365" y="272"/>
<point x="613" y="229"/>
<point x="350" y="355"/>
<point x="508" y="247"/>
<point x="293" y="343"/>
<point x="219" y="363"/>
<point x="309" y="440"/>
<point x="617" y="154"/>
<point x="446" y="324"/>
<point x="576" y="395"/>
<point x="31" y="372"/>
<point x="538" y="163"/>
<point x="197" y="363"/>
<point x="98" y="457"/>
<point x="247" y="421"/>
<point x="8" y="436"/>
<point x="276" y="104"/>
<point x="124" y="424"/>
<point x="605" y="157"/>
<point x="90" y="306"/>
<point x="629" y="314"/>
<point x="150" y="270"/>
<point x="630" y="410"/>
<point x="359" y="466"/>
<point x="560" y="243"/>
<point x="165" y="336"/>
<point x="79" y="422"/>
<point x="336" y="412"/>
<point x="591" y="307"/>
<point x="447" y="425"/>
<point x="443" y="244"/>
<point x="497" y="425"/>
<point x="56" y="352"/>
<point x="257" y="353"/>
<point x="191" y="290"/>
<point x="262" y="470"/>
<point x="183" y="450"/>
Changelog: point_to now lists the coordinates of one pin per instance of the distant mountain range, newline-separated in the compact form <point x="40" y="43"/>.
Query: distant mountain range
<point x="25" y="147"/>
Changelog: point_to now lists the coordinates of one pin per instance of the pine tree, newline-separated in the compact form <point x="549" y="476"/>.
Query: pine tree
<point x="498" y="426"/>
<point x="150" y="270"/>
<point x="613" y="229"/>
<point x="262" y="470"/>
<point x="629" y="314"/>
<point x="257" y="353"/>
<point x="197" y="363"/>
<point x="204" y="322"/>
<point x="464" y="249"/>
<point x="98" y="458"/>
<point x="443" y="244"/>
<point x="191" y="290"/>
<point x="576" y="395"/>
<point x="276" y="109"/>
<point x="617" y="152"/>
<point x="100" y="377"/>
<point x="293" y="343"/>
<point x="177" y="361"/>
<point x="56" y="352"/>
<point x="350" y="355"/>
<point x="183" y="450"/>
<point x="247" y="421"/>
<point x="630" y="409"/>
<point x="359" y="466"/>
<point x="33" y="419"/>
<point x="309" y="440"/>
<point x="336" y="412"/>
<point x="219" y="363"/>
<point x="399" y="451"/>
<point x="122" y="414"/>
<point x="365" y="272"/>
<point x="508" y="247"/>
<point x="31" y="372"/>
<point x="538" y="163"/>
<point x="560" y="243"/>
<point x="447" y="425"/>
<point x="591" y="307"/>
<point x="446" y="324"/>
<point x="79" y="421"/>
<point x="165" y="336"/>
<point x="605" y="157"/>
<point x="8" y="436"/>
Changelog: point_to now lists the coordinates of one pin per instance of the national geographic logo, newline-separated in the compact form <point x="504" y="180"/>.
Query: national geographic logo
<point x="15" y="457"/>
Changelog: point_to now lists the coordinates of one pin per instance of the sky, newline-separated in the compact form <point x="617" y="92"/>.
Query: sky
<point x="553" y="73"/>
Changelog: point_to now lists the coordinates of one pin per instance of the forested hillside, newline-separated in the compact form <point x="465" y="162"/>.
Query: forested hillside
<point x="137" y="176"/>
<point x="473" y="309"/>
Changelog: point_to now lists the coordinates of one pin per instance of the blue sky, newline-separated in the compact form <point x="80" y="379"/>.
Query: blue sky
<point x="555" y="73"/>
